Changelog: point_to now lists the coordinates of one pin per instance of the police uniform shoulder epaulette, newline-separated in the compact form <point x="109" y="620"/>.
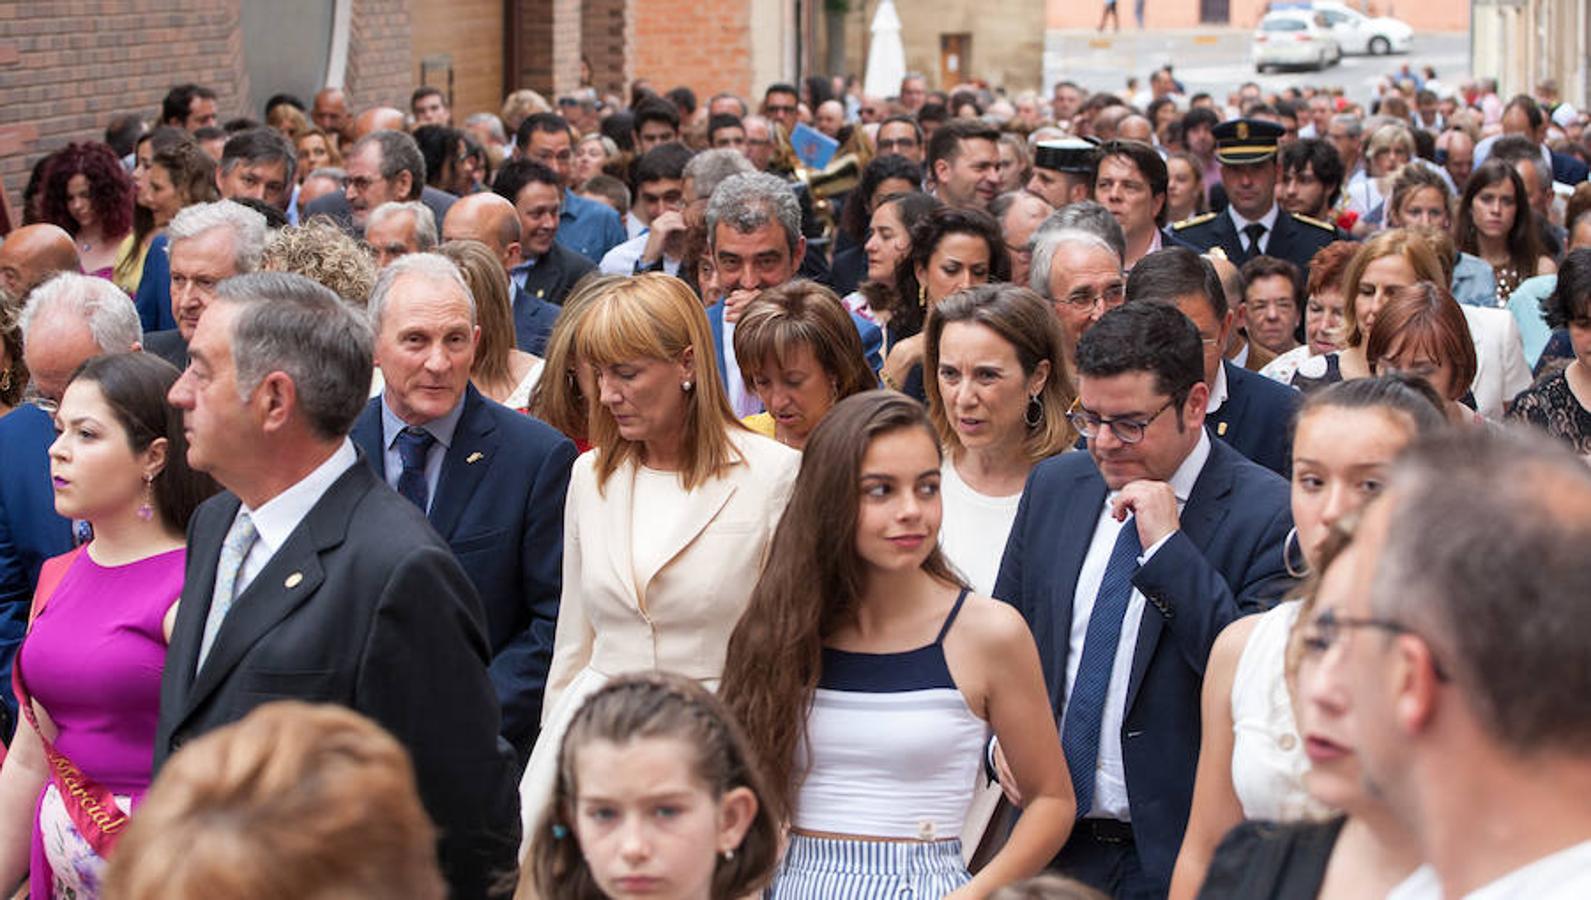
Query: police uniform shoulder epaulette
<point x="1311" y="220"/>
<point x="1196" y="220"/>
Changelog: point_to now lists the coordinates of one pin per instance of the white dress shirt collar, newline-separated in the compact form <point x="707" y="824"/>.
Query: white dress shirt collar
<point x="1268" y="220"/>
<point x="1218" y="390"/>
<point x="277" y="517"/>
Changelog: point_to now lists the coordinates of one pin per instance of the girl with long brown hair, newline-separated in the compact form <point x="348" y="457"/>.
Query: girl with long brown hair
<point x="868" y="677"/>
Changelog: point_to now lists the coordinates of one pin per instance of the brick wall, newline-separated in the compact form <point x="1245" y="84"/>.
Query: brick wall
<point x="379" y="73"/>
<point x="70" y="66"/>
<point x="705" y="44"/>
<point x="607" y="37"/>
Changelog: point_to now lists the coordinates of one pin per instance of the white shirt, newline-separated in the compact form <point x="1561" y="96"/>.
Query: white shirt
<point x="1110" y="775"/>
<point x="1268" y="220"/>
<point x="1565" y="875"/>
<point x="1218" y="391"/>
<point x="622" y="259"/>
<point x="278" y="517"/>
<point x="974" y="529"/>
<point x="744" y="402"/>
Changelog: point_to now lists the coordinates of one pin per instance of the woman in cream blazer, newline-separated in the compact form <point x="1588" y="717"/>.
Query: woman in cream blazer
<point x="668" y="516"/>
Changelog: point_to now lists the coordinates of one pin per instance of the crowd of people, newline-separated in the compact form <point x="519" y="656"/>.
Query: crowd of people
<point x="1133" y="495"/>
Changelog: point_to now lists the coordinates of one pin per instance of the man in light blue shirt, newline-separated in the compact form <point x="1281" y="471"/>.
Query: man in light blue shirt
<point x="585" y="226"/>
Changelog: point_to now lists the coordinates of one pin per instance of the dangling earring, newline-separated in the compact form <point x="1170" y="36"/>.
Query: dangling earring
<point x="922" y="296"/>
<point x="5" y="380"/>
<point x="1287" y="555"/>
<point x="1033" y="416"/>
<point x="146" y="510"/>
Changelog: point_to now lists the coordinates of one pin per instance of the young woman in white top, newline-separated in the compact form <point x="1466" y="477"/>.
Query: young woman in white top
<point x="868" y="678"/>
<point x="1251" y="760"/>
<point x="998" y="395"/>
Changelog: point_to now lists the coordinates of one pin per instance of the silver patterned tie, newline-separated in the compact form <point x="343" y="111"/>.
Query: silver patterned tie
<point x="234" y="550"/>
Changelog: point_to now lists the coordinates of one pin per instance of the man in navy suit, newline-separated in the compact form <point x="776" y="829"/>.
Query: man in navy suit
<point x="1248" y="411"/>
<point x="546" y="270"/>
<point x="754" y="236"/>
<point x="490" y="480"/>
<point x="1127" y="561"/>
<point x="63" y="325"/>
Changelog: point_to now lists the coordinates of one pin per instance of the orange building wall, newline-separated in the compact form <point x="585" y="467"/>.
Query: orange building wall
<point x="705" y="44"/>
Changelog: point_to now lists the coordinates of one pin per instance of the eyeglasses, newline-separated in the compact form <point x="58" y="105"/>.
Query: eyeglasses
<point x="1128" y="431"/>
<point x="777" y="109"/>
<point x="362" y="183"/>
<point x="1327" y="627"/>
<point x="896" y="144"/>
<point x="1108" y="296"/>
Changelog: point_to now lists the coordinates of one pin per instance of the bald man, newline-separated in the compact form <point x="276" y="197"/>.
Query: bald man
<point x="488" y="218"/>
<point x="1020" y="213"/>
<point x="33" y="253"/>
<point x="330" y="112"/>
<point x="492" y="220"/>
<point x="378" y="118"/>
<point x="1135" y="128"/>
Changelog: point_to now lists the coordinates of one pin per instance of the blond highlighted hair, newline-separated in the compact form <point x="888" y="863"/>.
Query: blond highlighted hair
<point x="1403" y="242"/>
<point x="657" y="317"/>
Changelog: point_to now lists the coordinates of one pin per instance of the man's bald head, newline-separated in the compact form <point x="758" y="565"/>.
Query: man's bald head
<point x="33" y="253"/>
<point x="1135" y="128"/>
<point x="488" y="218"/>
<point x="330" y="111"/>
<point x="377" y="118"/>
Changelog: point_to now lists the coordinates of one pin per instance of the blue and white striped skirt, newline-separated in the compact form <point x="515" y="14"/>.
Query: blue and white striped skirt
<point x="825" y="868"/>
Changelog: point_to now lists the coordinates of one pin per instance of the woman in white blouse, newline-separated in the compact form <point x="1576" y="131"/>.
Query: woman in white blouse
<point x="995" y="374"/>
<point x="1251" y="761"/>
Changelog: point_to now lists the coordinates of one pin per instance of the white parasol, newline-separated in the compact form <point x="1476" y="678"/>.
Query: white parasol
<point x="886" y="58"/>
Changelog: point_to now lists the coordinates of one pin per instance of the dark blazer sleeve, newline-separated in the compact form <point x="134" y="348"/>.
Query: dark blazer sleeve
<point x="428" y="620"/>
<point x="519" y="670"/>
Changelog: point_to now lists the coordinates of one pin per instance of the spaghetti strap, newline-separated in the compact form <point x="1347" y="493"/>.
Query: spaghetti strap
<point x="950" y="619"/>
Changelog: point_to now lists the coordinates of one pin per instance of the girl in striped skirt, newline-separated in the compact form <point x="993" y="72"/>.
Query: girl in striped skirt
<point x="868" y="678"/>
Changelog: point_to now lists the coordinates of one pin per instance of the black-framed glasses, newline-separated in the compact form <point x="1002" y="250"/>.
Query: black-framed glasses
<point x="1326" y="628"/>
<point x="1128" y="431"/>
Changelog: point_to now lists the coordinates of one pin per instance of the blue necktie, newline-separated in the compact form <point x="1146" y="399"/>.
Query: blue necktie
<point x="413" y="445"/>
<point x="1081" y="729"/>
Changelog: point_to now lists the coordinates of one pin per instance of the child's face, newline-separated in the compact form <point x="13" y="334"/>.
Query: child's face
<point x="647" y="825"/>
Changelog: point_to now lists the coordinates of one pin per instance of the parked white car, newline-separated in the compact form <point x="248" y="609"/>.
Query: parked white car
<point x="1358" y="33"/>
<point x="1295" y="37"/>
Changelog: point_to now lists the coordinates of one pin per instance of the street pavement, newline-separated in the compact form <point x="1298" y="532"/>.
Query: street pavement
<point x="1218" y="60"/>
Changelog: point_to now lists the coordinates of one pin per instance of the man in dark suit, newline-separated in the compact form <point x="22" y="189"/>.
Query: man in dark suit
<point x="1248" y="411"/>
<point x="209" y="242"/>
<point x="754" y="235"/>
<point x="383" y="166"/>
<point x="63" y="324"/>
<point x="1127" y="562"/>
<point x="546" y="271"/>
<point x="490" y="480"/>
<point x="1253" y="223"/>
<point x="312" y="580"/>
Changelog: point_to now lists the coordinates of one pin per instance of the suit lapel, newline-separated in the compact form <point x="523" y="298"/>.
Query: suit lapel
<point x="715" y="322"/>
<point x="706" y="500"/>
<point x="1224" y="422"/>
<point x="618" y="526"/>
<point x="1281" y="236"/>
<point x="288" y="579"/>
<point x="464" y="464"/>
<point x="367" y="437"/>
<point x="198" y="587"/>
<point x="1228" y="239"/>
<point x="1085" y="498"/>
<point x="1201" y="515"/>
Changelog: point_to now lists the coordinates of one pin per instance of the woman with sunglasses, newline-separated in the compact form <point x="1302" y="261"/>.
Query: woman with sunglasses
<point x="1252" y="764"/>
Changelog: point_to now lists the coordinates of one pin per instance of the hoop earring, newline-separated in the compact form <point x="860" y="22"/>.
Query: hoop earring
<point x="146" y="510"/>
<point x="1287" y="555"/>
<point x="1033" y="416"/>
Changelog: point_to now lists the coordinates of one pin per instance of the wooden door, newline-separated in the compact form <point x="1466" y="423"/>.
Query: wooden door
<point x="464" y="39"/>
<point x="955" y="54"/>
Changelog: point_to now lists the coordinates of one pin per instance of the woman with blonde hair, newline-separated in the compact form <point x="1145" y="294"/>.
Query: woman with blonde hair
<point x="998" y="394"/>
<point x="1387" y="150"/>
<point x="563" y="400"/>
<point x="501" y="371"/>
<point x="677" y="499"/>
<point x="800" y="354"/>
<point x="1393" y="259"/>
<point x="294" y="800"/>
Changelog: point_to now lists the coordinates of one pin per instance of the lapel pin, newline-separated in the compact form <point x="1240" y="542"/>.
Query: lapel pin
<point x="475" y="457"/>
<point x="1220" y="429"/>
<point x="540" y="293"/>
<point x="293" y="580"/>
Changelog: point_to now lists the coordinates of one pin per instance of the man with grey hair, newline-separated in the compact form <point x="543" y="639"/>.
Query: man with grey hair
<point x="317" y="184"/>
<point x="259" y="164"/>
<point x="1079" y="272"/>
<point x="476" y="468"/>
<point x="759" y="141"/>
<point x="755" y="243"/>
<point x="396" y="229"/>
<point x="209" y="242"/>
<point x="309" y="579"/>
<point x="382" y="166"/>
<point x="1345" y="131"/>
<point x="1020" y="214"/>
<point x="67" y="320"/>
<point x="1449" y="641"/>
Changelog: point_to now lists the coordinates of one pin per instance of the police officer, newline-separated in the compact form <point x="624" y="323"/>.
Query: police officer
<point x="1063" y="171"/>
<point x="1253" y="224"/>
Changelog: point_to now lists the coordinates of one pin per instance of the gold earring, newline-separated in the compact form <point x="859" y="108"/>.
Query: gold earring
<point x="922" y="296"/>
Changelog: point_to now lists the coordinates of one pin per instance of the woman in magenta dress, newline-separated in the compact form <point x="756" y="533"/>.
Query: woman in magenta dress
<point x="93" y="656"/>
<point x="88" y="193"/>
